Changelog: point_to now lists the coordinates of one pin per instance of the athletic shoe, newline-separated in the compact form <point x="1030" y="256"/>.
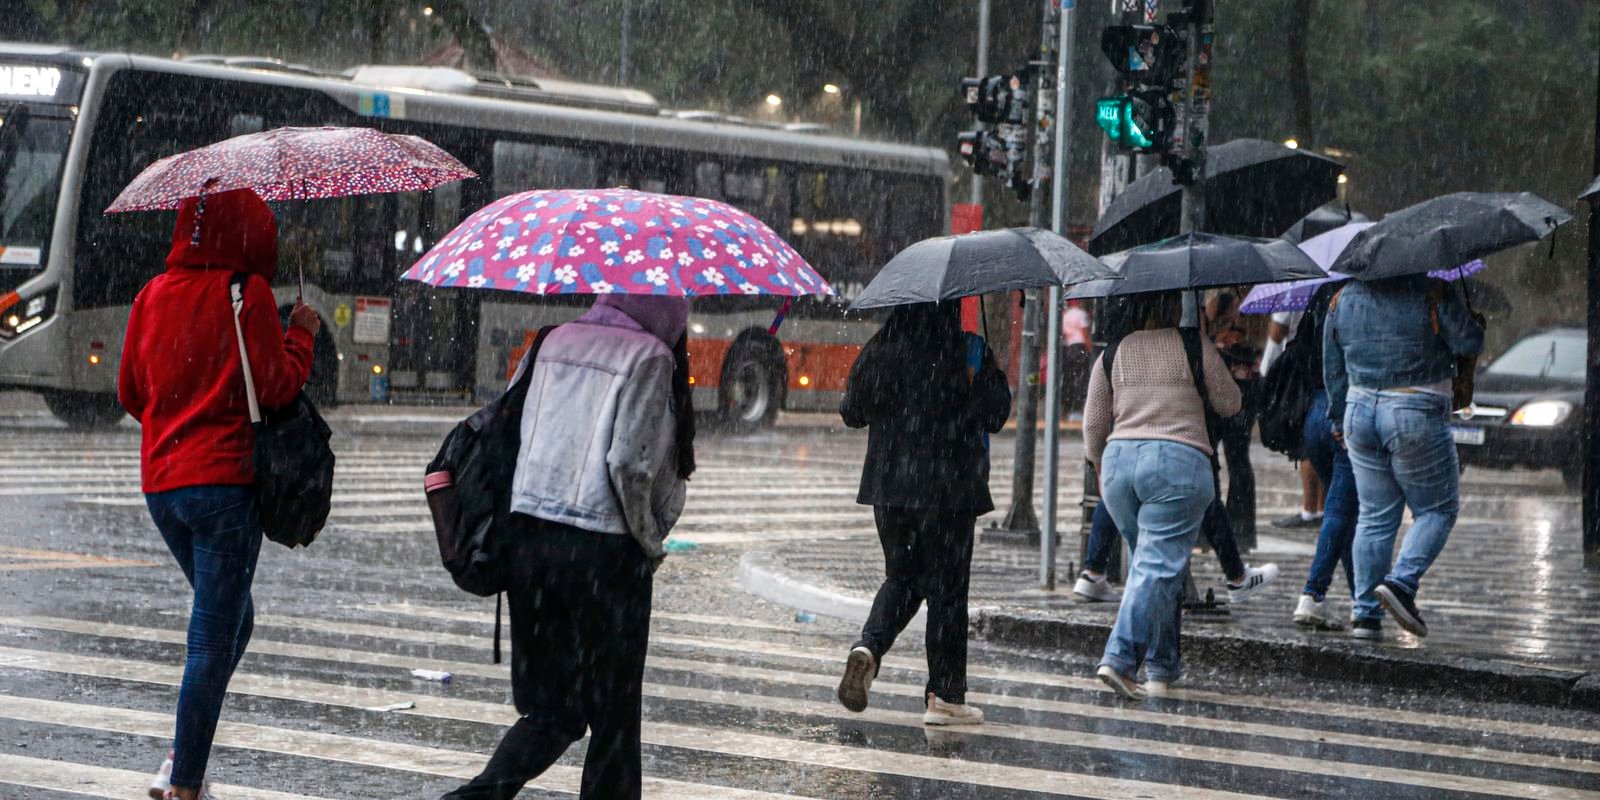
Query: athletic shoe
<point x="1096" y="590"/>
<point x="1126" y="689"/>
<point x="162" y="782"/>
<point x="941" y="713"/>
<point x="1154" y="688"/>
<point x="1254" y="579"/>
<point x="1399" y="602"/>
<point x="1299" y="519"/>
<point x="1368" y="629"/>
<point x="859" y="670"/>
<point x="1312" y="613"/>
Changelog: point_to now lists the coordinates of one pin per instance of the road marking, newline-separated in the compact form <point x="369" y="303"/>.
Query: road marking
<point x="411" y="757"/>
<point x="330" y="747"/>
<point x="834" y="658"/>
<point x="405" y="609"/>
<point x="92" y="781"/>
<point x="18" y="559"/>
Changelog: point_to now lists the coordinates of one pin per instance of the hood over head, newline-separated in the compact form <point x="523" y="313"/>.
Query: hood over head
<point x="666" y="318"/>
<point x="233" y="230"/>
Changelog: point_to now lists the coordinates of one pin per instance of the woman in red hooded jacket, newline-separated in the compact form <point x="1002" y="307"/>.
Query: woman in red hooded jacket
<point x="181" y="377"/>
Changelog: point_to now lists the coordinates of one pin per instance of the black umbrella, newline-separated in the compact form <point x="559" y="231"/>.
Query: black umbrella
<point x="1453" y="229"/>
<point x="1253" y="188"/>
<point x="1201" y="261"/>
<point x="1321" y="221"/>
<point x="949" y="267"/>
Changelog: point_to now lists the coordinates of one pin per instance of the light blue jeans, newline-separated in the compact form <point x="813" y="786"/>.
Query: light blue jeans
<point x="1403" y="455"/>
<point x="1157" y="492"/>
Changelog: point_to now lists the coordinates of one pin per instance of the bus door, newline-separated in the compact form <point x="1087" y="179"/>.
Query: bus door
<point x="434" y="332"/>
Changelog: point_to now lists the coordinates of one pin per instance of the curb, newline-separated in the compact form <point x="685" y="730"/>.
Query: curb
<point x="1463" y="676"/>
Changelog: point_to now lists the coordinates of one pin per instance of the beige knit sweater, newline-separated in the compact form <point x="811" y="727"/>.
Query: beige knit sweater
<point x="1151" y="394"/>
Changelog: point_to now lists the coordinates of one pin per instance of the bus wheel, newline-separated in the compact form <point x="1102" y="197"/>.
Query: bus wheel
<point x="752" y="385"/>
<point x="85" y="410"/>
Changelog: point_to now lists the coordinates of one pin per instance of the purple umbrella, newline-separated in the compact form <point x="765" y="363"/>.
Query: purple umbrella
<point x="1270" y="298"/>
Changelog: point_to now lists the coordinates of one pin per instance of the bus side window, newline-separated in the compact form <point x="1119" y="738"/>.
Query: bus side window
<point x="521" y="166"/>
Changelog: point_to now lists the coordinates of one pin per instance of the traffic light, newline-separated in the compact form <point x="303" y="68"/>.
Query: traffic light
<point x="1149" y="55"/>
<point x="1141" y="121"/>
<point x="999" y="146"/>
<point x="997" y="99"/>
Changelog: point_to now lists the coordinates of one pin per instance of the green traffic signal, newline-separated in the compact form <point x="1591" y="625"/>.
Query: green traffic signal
<point x="1117" y="117"/>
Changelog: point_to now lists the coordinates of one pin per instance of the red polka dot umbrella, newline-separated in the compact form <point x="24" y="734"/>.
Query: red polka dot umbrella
<point x="295" y="164"/>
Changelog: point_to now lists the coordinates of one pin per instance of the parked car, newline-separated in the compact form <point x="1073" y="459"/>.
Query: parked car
<point x="1528" y="407"/>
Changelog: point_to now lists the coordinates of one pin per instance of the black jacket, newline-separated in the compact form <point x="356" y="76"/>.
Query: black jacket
<point x="926" y="413"/>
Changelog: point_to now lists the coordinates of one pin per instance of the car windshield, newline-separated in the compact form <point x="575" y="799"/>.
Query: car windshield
<point x="1556" y="354"/>
<point x="31" y="154"/>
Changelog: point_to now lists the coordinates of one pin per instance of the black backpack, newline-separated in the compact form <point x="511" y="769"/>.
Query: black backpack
<point x="1197" y="371"/>
<point x="469" y="489"/>
<point x="293" y="458"/>
<point x="1287" y="390"/>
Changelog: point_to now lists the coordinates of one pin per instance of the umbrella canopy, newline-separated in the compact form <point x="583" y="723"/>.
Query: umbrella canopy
<point x="950" y="267"/>
<point x="1448" y="230"/>
<point x="1591" y="191"/>
<point x="1321" y="221"/>
<point x="295" y="164"/>
<point x="1200" y="261"/>
<point x="1324" y="249"/>
<point x="1253" y="188"/>
<point x="598" y="241"/>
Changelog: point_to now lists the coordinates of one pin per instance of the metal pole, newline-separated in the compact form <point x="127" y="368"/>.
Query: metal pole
<point x="622" y="67"/>
<point x="1591" y="394"/>
<point x="983" y="69"/>
<point x="1058" y="220"/>
<point x="1021" y="518"/>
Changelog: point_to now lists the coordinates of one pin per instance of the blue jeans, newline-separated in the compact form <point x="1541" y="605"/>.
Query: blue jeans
<point x="1217" y="529"/>
<point x="1402" y="455"/>
<point x="1340" y="509"/>
<point x="1157" y="491"/>
<point x="214" y="532"/>
<point x="1102" y="537"/>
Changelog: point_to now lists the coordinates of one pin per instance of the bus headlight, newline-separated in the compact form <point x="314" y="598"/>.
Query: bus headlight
<point x="18" y="315"/>
<point x="1543" y="414"/>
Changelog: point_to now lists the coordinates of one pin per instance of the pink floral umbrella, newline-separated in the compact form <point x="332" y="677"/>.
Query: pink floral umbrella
<point x="295" y="164"/>
<point x="598" y="241"/>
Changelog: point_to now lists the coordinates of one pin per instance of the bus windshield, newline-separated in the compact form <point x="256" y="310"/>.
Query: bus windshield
<point x="32" y="149"/>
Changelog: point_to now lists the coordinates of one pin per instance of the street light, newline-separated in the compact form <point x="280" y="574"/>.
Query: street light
<point x="427" y="11"/>
<point x="830" y="88"/>
<point x="1292" y="143"/>
<point x="774" y="100"/>
<point x="1343" y="179"/>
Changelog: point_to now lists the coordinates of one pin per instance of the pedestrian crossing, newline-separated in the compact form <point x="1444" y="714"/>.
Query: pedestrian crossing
<point x="311" y="690"/>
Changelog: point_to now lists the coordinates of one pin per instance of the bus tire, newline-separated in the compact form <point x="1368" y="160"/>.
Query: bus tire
<point x="84" y="410"/>
<point x="752" y="387"/>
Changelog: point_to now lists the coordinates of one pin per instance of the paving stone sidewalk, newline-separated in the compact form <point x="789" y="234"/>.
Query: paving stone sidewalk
<point x="1508" y="601"/>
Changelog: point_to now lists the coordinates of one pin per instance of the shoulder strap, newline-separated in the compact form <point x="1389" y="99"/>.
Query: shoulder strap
<point x="1109" y="357"/>
<point x="236" y="295"/>
<point x="1197" y="371"/>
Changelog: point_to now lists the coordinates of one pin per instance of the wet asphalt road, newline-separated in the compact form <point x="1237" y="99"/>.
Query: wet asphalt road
<point x="738" y="696"/>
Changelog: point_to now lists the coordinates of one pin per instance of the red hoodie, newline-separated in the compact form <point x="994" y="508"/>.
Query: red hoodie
<point x="181" y="375"/>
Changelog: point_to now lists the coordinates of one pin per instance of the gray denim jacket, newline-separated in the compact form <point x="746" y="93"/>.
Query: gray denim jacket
<point x="598" y="445"/>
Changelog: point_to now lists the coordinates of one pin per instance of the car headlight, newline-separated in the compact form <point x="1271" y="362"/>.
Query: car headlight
<point x="1542" y="414"/>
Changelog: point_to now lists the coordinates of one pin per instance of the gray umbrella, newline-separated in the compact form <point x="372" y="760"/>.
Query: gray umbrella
<point x="1452" y="229"/>
<point x="1591" y="191"/>
<point x="950" y="267"/>
<point x="1201" y="261"/>
<point x="1321" y="221"/>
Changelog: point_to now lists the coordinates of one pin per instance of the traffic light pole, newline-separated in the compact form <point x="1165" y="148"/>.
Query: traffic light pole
<point x="1058" y="220"/>
<point x="1591" y="395"/>
<point x="983" y="69"/>
<point x="1021" y="520"/>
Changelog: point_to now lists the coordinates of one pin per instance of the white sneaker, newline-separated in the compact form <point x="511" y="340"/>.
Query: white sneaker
<point x="1312" y="613"/>
<point x="162" y="782"/>
<point x="1158" y="688"/>
<point x="1254" y="579"/>
<point x="1096" y="590"/>
<point x="1126" y="689"/>
<point x="941" y="713"/>
<point x="859" y="670"/>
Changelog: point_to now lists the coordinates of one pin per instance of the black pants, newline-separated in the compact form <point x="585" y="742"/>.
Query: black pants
<point x="1235" y="433"/>
<point x="580" y="623"/>
<point x="927" y="555"/>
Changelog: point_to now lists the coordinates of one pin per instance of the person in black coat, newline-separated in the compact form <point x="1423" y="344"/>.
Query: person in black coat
<point x="929" y="395"/>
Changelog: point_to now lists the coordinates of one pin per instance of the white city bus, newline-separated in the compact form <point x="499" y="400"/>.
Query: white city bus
<point x="75" y="127"/>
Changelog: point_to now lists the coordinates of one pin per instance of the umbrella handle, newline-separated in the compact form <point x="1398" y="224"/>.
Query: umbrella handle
<point x="783" y="311"/>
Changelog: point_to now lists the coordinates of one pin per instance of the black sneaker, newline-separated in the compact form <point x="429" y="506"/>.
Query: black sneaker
<point x="1399" y="602"/>
<point x="1298" y="520"/>
<point x="1370" y="629"/>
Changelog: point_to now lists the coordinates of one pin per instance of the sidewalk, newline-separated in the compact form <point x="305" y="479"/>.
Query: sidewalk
<point x="1512" y="612"/>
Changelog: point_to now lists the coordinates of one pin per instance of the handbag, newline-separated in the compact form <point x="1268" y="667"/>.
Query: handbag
<point x="1464" y="382"/>
<point x="293" y="459"/>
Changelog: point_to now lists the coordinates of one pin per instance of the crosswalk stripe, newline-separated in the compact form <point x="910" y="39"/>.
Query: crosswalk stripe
<point x="330" y="747"/>
<point x="907" y="690"/>
<point x="724" y="742"/>
<point x="788" y="705"/>
<point x="700" y="619"/>
<point x="93" y="781"/>
<point x="835" y="657"/>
